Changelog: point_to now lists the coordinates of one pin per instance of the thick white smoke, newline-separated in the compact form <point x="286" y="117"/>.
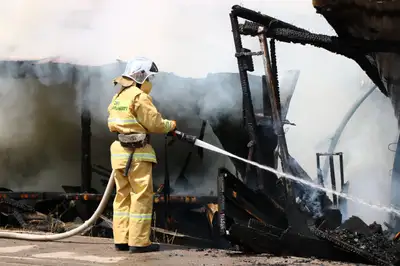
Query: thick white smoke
<point x="40" y="131"/>
<point x="319" y="108"/>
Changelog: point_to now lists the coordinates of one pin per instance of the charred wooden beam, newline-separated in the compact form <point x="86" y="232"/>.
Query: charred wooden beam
<point x="357" y="49"/>
<point x="97" y="197"/>
<point x="245" y="63"/>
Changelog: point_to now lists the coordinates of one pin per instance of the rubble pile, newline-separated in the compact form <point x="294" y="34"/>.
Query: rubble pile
<point x="376" y="244"/>
<point x="249" y="220"/>
<point x="23" y="215"/>
<point x="257" y="229"/>
<point x="371" y="239"/>
<point x="188" y="220"/>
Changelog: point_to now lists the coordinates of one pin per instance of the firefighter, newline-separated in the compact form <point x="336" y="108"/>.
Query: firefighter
<point x="132" y="116"/>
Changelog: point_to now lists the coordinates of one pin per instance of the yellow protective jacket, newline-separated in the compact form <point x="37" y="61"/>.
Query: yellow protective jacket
<point x="132" y="111"/>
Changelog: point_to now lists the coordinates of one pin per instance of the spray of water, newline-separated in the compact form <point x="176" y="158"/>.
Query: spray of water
<point x="380" y="207"/>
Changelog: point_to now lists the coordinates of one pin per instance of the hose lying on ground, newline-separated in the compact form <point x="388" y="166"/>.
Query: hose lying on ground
<point x="53" y="237"/>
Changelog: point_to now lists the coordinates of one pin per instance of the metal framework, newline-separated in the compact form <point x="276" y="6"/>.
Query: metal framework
<point x="336" y="200"/>
<point x="240" y="219"/>
<point x="247" y="217"/>
<point x="263" y="26"/>
<point x="257" y="26"/>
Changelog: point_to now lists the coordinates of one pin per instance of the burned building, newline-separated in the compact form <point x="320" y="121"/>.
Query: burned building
<point x="256" y="210"/>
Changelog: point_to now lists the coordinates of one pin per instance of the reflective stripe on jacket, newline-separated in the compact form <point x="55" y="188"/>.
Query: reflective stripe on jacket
<point x="132" y="111"/>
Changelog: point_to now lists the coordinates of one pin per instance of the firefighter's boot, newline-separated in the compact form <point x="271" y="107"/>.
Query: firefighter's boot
<point x="150" y="248"/>
<point x="121" y="247"/>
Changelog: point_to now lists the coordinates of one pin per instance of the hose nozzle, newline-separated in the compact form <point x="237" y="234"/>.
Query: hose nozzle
<point x="185" y="137"/>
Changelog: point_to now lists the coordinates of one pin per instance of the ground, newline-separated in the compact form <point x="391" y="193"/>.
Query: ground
<point x="80" y="250"/>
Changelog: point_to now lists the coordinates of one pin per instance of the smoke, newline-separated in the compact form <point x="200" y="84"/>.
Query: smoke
<point x="38" y="135"/>
<point x="191" y="41"/>
<point x="368" y="167"/>
<point x="50" y="96"/>
<point x="175" y="34"/>
<point x="318" y="109"/>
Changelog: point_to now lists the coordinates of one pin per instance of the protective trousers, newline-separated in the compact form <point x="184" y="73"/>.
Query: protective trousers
<point x="133" y="205"/>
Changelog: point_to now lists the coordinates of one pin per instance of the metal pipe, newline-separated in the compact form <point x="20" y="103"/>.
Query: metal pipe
<point x="341" y="175"/>
<point x="329" y="153"/>
<point x="276" y="117"/>
<point x="278" y="125"/>
<point x="333" y="179"/>
<point x="339" y="131"/>
<point x="341" y="171"/>
<point x="319" y="172"/>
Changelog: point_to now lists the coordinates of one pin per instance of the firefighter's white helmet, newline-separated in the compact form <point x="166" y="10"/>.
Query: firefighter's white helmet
<point x="140" y="69"/>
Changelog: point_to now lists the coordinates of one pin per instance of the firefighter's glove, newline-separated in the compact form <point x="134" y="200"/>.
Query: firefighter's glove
<point x="171" y="133"/>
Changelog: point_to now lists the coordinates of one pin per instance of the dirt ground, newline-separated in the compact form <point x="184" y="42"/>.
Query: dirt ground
<point x="80" y="250"/>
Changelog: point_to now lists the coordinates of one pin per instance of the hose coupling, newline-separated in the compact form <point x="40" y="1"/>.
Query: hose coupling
<point x="185" y="137"/>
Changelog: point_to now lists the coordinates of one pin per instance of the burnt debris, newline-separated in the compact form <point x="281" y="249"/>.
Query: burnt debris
<point x="237" y="218"/>
<point x="262" y="213"/>
<point x="266" y="229"/>
<point x="293" y="219"/>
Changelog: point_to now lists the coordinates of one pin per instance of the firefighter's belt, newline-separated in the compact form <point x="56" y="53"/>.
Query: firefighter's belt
<point x="133" y="141"/>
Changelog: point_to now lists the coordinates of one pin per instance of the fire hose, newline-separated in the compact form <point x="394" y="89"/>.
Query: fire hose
<point x="194" y="141"/>
<point x="53" y="237"/>
<point x="102" y="205"/>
